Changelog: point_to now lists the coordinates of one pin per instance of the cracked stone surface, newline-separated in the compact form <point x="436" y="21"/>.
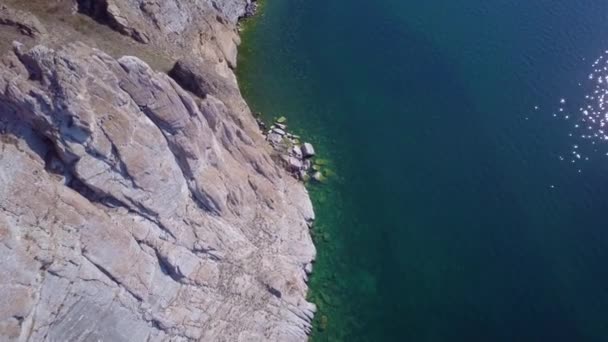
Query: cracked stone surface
<point x="135" y="206"/>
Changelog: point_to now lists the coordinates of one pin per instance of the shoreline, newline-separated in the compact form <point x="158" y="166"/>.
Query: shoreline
<point x="312" y="182"/>
<point x="275" y="131"/>
<point x="322" y="290"/>
<point x="267" y="65"/>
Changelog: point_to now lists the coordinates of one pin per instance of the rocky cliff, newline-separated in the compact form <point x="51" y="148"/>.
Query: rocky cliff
<point x="138" y="199"/>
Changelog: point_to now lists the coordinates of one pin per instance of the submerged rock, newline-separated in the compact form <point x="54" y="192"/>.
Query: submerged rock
<point x="303" y="175"/>
<point x="318" y="176"/>
<point x="324" y="323"/>
<point x="307" y="164"/>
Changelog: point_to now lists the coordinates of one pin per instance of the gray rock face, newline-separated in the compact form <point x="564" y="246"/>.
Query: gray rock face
<point x="134" y="210"/>
<point x="297" y="152"/>
<point x="26" y="23"/>
<point x="174" y="22"/>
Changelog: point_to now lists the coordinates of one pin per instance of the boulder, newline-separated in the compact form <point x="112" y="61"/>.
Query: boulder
<point x="25" y="22"/>
<point x="274" y="138"/>
<point x="201" y="79"/>
<point x="295" y="164"/>
<point x="278" y="131"/>
<point x="307" y="150"/>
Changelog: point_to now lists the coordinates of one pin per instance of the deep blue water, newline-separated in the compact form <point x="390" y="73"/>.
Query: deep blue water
<point x="450" y="216"/>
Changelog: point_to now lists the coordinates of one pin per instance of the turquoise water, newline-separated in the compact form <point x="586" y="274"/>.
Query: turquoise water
<point x="450" y="215"/>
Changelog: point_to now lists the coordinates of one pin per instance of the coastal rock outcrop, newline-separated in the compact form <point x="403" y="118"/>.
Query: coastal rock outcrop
<point x="296" y="158"/>
<point x="138" y="204"/>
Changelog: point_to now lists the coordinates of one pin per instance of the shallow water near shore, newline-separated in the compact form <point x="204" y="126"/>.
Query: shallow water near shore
<point x="455" y="212"/>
